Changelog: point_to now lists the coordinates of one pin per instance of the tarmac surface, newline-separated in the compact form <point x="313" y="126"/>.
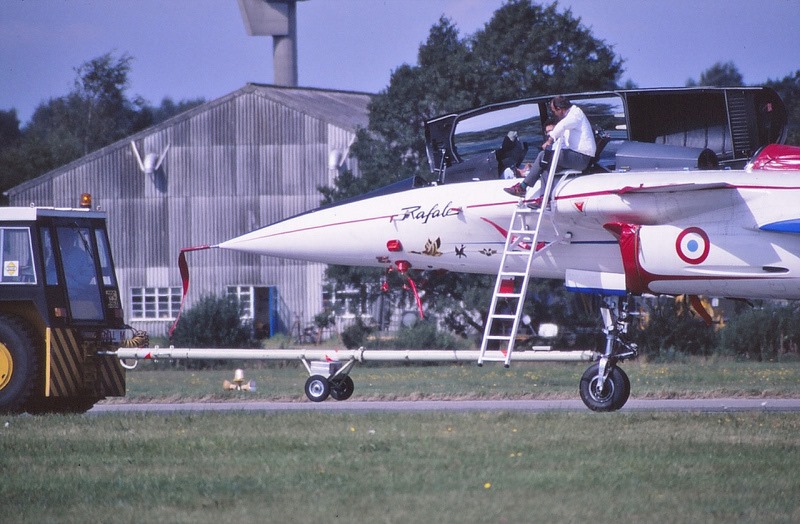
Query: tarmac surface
<point x="720" y="405"/>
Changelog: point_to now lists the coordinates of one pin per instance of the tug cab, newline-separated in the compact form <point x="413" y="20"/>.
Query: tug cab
<point x="60" y="311"/>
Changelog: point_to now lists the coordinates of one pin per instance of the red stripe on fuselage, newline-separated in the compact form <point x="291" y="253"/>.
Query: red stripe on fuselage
<point x="627" y="189"/>
<point x="504" y="203"/>
<point x="322" y="226"/>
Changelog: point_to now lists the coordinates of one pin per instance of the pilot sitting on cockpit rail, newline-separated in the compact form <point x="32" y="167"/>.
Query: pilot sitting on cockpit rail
<point x="510" y="155"/>
<point x="579" y="147"/>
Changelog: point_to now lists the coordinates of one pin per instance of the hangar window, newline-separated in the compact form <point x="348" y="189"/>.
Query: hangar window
<point x="244" y="297"/>
<point x="155" y="303"/>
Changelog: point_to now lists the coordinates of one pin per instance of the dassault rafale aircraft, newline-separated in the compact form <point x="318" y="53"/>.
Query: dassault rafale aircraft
<point x="690" y="192"/>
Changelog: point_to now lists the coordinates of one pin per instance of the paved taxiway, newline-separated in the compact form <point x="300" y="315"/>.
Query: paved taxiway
<point x="533" y="406"/>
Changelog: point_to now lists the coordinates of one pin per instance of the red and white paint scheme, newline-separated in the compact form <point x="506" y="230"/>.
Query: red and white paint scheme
<point x="733" y="233"/>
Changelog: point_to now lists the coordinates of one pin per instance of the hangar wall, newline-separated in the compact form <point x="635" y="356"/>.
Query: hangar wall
<point x="245" y="160"/>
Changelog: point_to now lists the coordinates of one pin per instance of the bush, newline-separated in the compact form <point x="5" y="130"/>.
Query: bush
<point x="762" y="334"/>
<point x="672" y="330"/>
<point x="278" y="341"/>
<point x="212" y="323"/>
<point x="353" y="337"/>
<point x="425" y="335"/>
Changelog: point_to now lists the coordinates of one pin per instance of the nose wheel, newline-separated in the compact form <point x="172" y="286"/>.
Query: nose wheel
<point x="605" y="394"/>
<point x="604" y="386"/>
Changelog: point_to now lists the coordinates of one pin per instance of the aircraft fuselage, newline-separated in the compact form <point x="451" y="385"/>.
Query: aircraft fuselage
<point x="720" y="233"/>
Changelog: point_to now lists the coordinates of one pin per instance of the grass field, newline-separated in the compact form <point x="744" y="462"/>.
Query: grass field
<point x="696" y="378"/>
<point x="414" y="467"/>
<point x="433" y="467"/>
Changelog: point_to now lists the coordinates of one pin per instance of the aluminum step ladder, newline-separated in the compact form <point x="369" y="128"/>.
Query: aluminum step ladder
<point x="511" y="286"/>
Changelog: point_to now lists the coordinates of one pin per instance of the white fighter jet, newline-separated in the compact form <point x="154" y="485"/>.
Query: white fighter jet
<point x="690" y="193"/>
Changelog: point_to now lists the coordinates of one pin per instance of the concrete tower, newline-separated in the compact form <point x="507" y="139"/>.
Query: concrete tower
<point x="278" y="19"/>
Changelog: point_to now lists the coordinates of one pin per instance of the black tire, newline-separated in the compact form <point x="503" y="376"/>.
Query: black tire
<point x="317" y="388"/>
<point x="615" y="393"/>
<point x="43" y="406"/>
<point x="19" y="362"/>
<point x="342" y="389"/>
<point x="627" y="387"/>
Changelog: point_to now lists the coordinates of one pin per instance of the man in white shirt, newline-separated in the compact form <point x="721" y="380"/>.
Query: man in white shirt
<point x="579" y="145"/>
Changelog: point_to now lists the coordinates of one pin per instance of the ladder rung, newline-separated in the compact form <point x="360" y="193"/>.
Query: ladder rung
<point x="496" y="353"/>
<point x="498" y="337"/>
<point x="503" y="316"/>
<point x="509" y="295"/>
<point x="493" y="359"/>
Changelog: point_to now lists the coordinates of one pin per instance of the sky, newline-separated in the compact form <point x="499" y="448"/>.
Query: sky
<point x="186" y="49"/>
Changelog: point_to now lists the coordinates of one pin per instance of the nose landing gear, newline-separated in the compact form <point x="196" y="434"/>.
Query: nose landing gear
<point x="605" y="386"/>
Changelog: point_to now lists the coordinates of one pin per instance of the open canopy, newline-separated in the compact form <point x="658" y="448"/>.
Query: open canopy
<point x="733" y="123"/>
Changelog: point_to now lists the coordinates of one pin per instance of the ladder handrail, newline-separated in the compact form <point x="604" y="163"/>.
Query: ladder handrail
<point x="512" y="241"/>
<point x="551" y="177"/>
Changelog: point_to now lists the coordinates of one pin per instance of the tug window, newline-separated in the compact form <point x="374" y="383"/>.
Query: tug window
<point x="80" y="273"/>
<point x="17" y="256"/>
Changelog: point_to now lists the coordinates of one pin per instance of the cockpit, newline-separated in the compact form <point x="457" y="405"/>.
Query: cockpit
<point x="686" y="128"/>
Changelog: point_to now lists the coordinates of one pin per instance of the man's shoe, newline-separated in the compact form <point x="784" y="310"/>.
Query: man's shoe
<point x="536" y="203"/>
<point x="516" y="190"/>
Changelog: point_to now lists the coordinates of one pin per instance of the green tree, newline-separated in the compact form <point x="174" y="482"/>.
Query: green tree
<point x="524" y="50"/>
<point x="9" y="129"/>
<point x="532" y="50"/>
<point x="10" y="137"/>
<point x="104" y="113"/>
<point x="789" y="90"/>
<point x="719" y="75"/>
<point x="95" y="113"/>
<point x="168" y="108"/>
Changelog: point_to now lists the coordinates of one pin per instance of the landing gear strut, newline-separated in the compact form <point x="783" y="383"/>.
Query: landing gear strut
<point x="605" y="386"/>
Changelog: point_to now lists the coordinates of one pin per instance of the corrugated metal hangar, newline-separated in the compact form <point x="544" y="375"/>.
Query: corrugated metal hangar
<point x="221" y="169"/>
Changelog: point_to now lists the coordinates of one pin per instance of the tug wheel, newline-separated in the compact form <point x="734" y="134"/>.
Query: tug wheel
<point x="342" y="389"/>
<point x="18" y="364"/>
<point x="317" y="388"/>
<point x="611" y="396"/>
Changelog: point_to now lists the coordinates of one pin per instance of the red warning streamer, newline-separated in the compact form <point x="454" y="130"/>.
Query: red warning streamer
<point x="416" y="296"/>
<point x="183" y="267"/>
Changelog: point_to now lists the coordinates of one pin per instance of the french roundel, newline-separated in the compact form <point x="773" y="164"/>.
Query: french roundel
<point x="692" y="245"/>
